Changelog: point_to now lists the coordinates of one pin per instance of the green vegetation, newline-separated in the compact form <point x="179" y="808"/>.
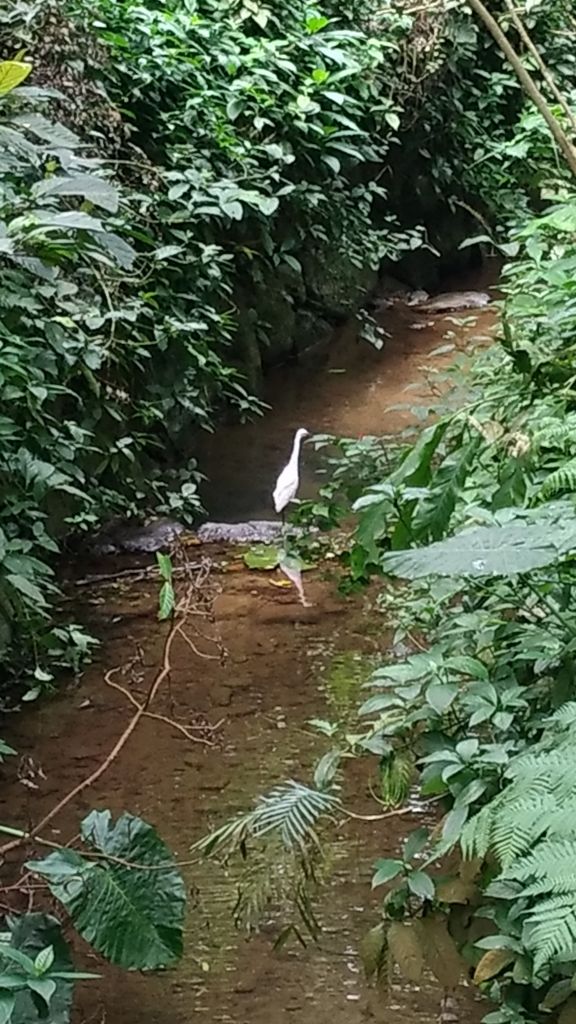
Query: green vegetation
<point x="478" y="514"/>
<point x="166" y="171"/>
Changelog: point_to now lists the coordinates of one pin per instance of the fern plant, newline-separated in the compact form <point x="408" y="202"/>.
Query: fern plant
<point x="530" y="828"/>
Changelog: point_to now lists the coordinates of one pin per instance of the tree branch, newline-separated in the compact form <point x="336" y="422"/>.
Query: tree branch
<point x="527" y="82"/>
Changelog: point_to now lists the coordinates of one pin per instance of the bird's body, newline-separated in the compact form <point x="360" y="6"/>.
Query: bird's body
<point x="287" y="483"/>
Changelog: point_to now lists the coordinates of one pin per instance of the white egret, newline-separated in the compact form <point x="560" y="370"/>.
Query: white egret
<point x="289" y="479"/>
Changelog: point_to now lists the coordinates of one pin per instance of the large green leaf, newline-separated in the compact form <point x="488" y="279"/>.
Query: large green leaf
<point x="97" y="190"/>
<point x="55" y="134"/>
<point x="506" y="550"/>
<point x="133" y="916"/>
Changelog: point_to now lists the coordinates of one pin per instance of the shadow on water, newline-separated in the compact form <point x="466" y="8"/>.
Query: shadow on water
<point x="285" y="664"/>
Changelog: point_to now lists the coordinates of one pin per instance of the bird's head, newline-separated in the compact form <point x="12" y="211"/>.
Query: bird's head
<point x="302" y="433"/>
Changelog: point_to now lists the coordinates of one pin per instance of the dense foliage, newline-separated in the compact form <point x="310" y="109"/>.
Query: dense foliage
<point x="167" y="165"/>
<point x="477" y="512"/>
<point x="177" y="181"/>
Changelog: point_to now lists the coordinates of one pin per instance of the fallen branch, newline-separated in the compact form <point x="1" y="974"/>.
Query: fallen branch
<point x="140" y="712"/>
<point x="187" y="732"/>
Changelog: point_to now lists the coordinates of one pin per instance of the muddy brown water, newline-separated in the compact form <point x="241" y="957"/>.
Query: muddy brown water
<point x="285" y="664"/>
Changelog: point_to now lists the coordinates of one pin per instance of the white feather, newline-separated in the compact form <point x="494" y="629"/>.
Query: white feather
<point x="288" y="482"/>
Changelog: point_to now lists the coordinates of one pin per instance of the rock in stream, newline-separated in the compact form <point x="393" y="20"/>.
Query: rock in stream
<point x="254" y="531"/>
<point x="449" y="302"/>
<point x="136" y="538"/>
<point x="160" y="534"/>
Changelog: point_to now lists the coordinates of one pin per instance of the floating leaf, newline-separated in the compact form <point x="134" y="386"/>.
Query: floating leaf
<point x="262" y="556"/>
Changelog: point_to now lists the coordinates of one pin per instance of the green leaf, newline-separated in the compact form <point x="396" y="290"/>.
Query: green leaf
<point x="415" y="843"/>
<point x="44" y="960"/>
<point x="164" y="563"/>
<point x="385" y="871"/>
<point x="392" y="119"/>
<point x="12" y="74"/>
<point x="97" y="190"/>
<point x="441" y="695"/>
<point x="56" y="135"/>
<point x="557" y="994"/>
<point x="488" y="551"/>
<point x="453" y="825"/>
<point x="373" y="950"/>
<point x="30" y="935"/>
<point x="166" y="601"/>
<point x="69" y="220"/>
<point x="28" y="589"/>
<point x="18" y="957"/>
<point x="421" y="885"/>
<point x="12" y="981"/>
<point x="43" y="987"/>
<point x="316" y="24"/>
<point x="7" y="1003"/>
<point x="467" y="749"/>
<point x="133" y="917"/>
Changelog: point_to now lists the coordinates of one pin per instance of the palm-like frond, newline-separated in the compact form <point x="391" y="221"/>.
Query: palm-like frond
<point x="291" y="810"/>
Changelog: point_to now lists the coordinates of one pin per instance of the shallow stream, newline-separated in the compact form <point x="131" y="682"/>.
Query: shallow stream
<point x="284" y="664"/>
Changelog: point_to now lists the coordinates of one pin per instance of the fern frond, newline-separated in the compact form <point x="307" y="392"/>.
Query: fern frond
<point x="561" y="481"/>
<point x="477" y="833"/>
<point x="552" y="860"/>
<point x="564" y="717"/>
<point x="512" y="838"/>
<point x="556" y="432"/>
<point x="531" y="828"/>
<point x="550" y="930"/>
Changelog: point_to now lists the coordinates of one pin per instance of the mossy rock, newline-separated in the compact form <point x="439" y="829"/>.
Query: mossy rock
<point x="311" y="333"/>
<point x="336" y="284"/>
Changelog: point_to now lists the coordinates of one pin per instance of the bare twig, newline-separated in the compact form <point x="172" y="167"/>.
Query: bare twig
<point x="187" y="732"/>
<point x="161" y="675"/>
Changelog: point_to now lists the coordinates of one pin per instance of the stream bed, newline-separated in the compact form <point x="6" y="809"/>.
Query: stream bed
<point x="260" y="667"/>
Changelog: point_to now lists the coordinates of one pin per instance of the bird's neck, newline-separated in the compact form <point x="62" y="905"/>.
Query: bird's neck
<point x="296" y="450"/>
